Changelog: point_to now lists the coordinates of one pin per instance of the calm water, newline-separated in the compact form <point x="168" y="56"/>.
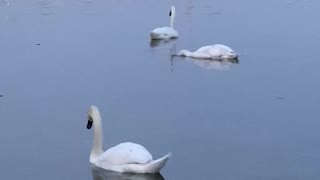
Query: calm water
<point x="253" y="119"/>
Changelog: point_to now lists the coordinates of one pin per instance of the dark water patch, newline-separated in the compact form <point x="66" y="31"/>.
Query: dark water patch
<point x="102" y="174"/>
<point x="155" y="43"/>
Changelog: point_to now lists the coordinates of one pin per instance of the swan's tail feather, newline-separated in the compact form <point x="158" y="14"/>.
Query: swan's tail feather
<point x="156" y="165"/>
<point x="154" y="36"/>
<point x="152" y="167"/>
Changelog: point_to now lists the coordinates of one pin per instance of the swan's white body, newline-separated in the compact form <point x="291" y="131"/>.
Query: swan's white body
<point x="166" y="32"/>
<point x="217" y="51"/>
<point x="125" y="157"/>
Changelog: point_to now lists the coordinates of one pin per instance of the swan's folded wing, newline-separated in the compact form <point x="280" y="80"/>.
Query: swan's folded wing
<point x="125" y="153"/>
<point x="163" y="33"/>
<point x="204" y="49"/>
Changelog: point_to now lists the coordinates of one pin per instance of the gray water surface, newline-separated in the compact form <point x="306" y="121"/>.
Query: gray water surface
<point x="257" y="118"/>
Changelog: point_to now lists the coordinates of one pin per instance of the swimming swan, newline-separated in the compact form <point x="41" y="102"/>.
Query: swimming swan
<point x="166" y="32"/>
<point x="125" y="157"/>
<point x="217" y="51"/>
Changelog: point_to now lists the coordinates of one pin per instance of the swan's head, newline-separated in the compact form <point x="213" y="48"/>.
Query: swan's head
<point x="93" y="113"/>
<point x="172" y="11"/>
<point x="229" y="55"/>
<point x="184" y="53"/>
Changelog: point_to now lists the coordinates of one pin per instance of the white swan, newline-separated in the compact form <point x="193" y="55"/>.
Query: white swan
<point x="125" y="157"/>
<point x="166" y="32"/>
<point x="217" y="51"/>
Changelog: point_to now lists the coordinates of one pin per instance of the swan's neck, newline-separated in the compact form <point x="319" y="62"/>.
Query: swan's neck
<point x="173" y="14"/>
<point x="185" y="53"/>
<point x="96" y="150"/>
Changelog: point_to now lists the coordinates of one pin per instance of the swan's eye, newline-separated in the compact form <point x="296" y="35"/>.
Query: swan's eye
<point x="90" y="119"/>
<point x="170" y="13"/>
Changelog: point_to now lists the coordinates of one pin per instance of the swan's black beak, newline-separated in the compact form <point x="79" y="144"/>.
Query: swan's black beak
<point x="170" y="13"/>
<point x="89" y="125"/>
<point x="90" y="121"/>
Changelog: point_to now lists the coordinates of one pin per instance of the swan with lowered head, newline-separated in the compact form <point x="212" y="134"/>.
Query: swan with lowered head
<point x="125" y="157"/>
<point x="166" y="32"/>
<point x="217" y="51"/>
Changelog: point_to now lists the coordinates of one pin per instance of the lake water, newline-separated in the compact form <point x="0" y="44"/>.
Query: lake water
<point x="253" y="119"/>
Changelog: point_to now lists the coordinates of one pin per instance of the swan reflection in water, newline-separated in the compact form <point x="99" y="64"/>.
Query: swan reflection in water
<point x="102" y="174"/>
<point x="157" y="42"/>
<point x="209" y="64"/>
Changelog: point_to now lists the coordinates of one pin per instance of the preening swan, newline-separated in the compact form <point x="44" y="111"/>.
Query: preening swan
<point x="125" y="157"/>
<point x="217" y="51"/>
<point x="166" y="32"/>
